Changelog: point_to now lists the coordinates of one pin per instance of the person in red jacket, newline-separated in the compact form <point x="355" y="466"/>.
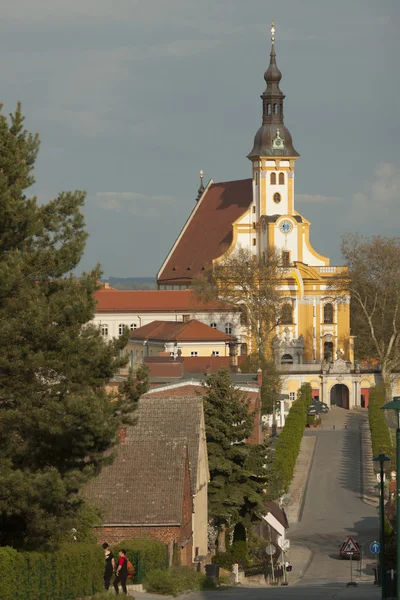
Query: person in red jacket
<point x="121" y="573"/>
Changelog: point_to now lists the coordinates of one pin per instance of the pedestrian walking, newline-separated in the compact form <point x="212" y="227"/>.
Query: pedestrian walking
<point x="121" y="573"/>
<point x="109" y="566"/>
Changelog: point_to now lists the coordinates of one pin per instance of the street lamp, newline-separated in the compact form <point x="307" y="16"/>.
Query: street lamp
<point x="395" y="405"/>
<point x="381" y="465"/>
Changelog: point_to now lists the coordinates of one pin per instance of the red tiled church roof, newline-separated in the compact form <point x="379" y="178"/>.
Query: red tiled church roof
<point x="191" y="331"/>
<point x="208" y="231"/>
<point x="152" y="300"/>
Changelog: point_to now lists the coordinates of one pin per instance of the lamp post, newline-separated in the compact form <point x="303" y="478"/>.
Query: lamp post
<point x="381" y="464"/>
<point x="395" y="405"/>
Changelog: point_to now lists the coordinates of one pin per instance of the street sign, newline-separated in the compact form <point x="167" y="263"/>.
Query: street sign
<point x="270" y="549"/>
<point x="350" y="547"/>
<point x="375" y="547"/>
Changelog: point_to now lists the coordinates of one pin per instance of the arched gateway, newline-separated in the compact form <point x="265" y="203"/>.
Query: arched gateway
<point x="340" y="395"/>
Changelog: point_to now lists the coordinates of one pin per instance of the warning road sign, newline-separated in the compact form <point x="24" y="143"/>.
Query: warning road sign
<point x="350" y="547"/>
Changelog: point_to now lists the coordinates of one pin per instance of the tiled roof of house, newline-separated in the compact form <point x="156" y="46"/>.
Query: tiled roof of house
<point x="152" y="300"/>
<point x="145" y="483"/>
<point x="208" y="232"/>
<point x="190" y="331"/>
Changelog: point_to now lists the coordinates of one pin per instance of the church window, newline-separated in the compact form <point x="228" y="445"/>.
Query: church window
<point x="268" y="109"/>
<point x="213" y="325"/>
<point x="328" y="351"/>
<point x="228" y="328"/>
<point x="104" y="330"/>
<point x="328" y="313"/>
<point x="254" y="241"/>
<point x="132" y="326"/>
<point x="273" y="179"/>
<point x="285" y="258"/>
<point x="287" y="359"/>
<point x="287" y="314"/>
<point x="121" y="329"/>
<point x="277" y="198"/>
<point x="281" y="178"/>
<point x="275" y="109"/>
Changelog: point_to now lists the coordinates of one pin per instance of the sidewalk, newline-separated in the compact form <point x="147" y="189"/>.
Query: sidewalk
<point x="300" y="479"/>
<point x="300" y="558"/>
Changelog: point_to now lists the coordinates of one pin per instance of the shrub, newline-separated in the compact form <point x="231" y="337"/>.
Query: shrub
<point x="288" y="444"/>
<point x="380" y="435"/>
<point x="177" y="580"/>
<point x="224" y="560"/>
<point x="74" y="571"/>
<point x="153" y="554"/>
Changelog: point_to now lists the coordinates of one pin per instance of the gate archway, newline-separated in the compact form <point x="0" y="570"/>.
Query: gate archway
<point x="340" y="395"/>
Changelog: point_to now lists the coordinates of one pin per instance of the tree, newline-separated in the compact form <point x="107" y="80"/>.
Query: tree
<point x="373" y="281"/>
<point x="249" y="283"/>
<point x="237" y="474"/>
<point x="57" y="423"/>
<point x="271" y="380"/>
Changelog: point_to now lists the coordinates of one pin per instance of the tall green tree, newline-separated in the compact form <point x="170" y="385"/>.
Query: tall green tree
<point x="237" y="473"/>
<point x="57" y="423"/>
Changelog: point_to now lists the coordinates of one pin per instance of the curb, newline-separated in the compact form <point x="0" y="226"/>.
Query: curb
<point x="366" y="465"/>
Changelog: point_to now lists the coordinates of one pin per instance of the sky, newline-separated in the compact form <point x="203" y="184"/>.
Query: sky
<point x="132" y="98"/>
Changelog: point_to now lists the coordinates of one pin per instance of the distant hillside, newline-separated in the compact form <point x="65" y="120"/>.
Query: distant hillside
<point x="132" y="283"/>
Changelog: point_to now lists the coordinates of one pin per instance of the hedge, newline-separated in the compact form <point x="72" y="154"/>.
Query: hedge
<point x="74" y="571"/>
<point x="380" y="435"/>
<point x="288" y="444"/>
<point x="177" y="580"/>
<point x="153" y="554"/>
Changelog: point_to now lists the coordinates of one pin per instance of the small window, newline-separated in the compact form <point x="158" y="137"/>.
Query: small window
<point x="287" y="314"/>
<point x="228" y="328"/>
<point x="104" y="330"/>
<point x="121" y="329"/>
<point x="254" y="209"/>
<point x="287" y="359"/>
<point x="268" y="109"/>
<point x="213" y="325"/>
<point x="256" y="177"/>
<point x="292" y="396"/>
<point x="151" y="352"/>
<point x="277" y="198"/>
<point x="281" y="178"/>
<point x="132" y="326"/>
<point x="285" y="258"/>
<point x="328" y="351"/>
<point x="254" y="242"/>
<point x="328" y="313"/>
<point x="194" y="354"/>
<point x="273" y="179"/>
<point x="215" y="353"/>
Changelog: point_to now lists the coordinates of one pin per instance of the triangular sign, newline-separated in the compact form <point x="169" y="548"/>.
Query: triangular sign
<point x="350" y="546"/>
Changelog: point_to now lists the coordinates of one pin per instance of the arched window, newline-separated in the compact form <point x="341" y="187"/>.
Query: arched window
<point x="213" y="325"/>
<point x="287" y="359"/>
<point x="121" y="329"/>
<point x="328" y="313"/>
<point x="132" y="326"/>
<point x="273" y="179"/>
<point x="228" y="328"/>
<point x="275" y="109"/>
<point x="286" y="314"/>
<point x="277" y="198"/>
<point x="281" y="178"/>
<point x="268" y="109"/>
<point x="328" y="351"/>
<point x="104" y="330"/>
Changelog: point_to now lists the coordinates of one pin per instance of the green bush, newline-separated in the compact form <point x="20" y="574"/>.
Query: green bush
<point x="380" y="435"/>
<point x="177" y="580"/>
<point x="288" y="444"/>
<point x="74" y="571"/>
<point x="153" y="555"/>
<point x="224" y="559"/>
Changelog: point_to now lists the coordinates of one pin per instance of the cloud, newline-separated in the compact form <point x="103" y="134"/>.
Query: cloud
<point x="312" y="198"/>
<point x="380" y="197"/>
<point x="134" y="203"/>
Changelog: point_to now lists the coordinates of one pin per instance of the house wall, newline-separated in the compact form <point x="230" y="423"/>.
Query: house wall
<point x="143" y="348"/>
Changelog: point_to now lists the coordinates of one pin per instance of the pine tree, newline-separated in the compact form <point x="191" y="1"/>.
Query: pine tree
<point x="237" y="473"/>
<point x="57" y="423"/>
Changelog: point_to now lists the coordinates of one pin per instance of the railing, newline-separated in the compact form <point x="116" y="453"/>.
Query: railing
<point x="303" y="368"/>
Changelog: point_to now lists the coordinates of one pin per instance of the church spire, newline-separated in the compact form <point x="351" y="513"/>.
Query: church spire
<point x="273" y="138"/>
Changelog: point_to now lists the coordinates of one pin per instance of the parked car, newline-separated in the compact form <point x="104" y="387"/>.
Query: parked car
<point x="355" y="555"/>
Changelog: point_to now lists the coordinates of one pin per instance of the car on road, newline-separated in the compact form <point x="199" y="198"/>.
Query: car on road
<point x="355" y="555"/>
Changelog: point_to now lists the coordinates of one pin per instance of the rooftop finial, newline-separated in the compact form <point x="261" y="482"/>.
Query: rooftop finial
<point x="201" y="188"/>
<point x="273" y="32"/>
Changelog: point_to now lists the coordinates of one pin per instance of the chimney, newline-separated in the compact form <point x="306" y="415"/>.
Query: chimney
<point x="259" y="377"/>
<point x="106" y="285"/>
<point x="186" y="318"/>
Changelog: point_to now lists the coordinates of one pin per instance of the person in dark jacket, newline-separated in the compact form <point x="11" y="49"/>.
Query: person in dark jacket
<point x="109" y="566"/>
<point x="121" y="573"/>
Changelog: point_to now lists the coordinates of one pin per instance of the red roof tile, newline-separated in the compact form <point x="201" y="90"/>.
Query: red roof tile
<point x="152" y="300"/>
<point x="208" y="231"/>
<point x="191" y="331"/>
